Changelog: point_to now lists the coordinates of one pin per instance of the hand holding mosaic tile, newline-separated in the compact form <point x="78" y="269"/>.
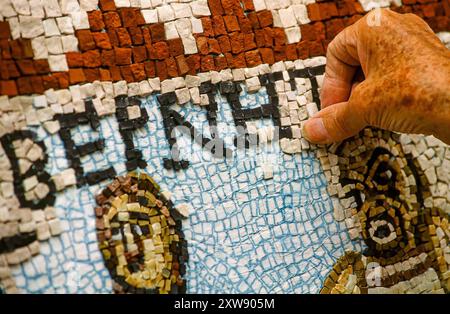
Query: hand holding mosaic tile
<point x="152" y="146"/>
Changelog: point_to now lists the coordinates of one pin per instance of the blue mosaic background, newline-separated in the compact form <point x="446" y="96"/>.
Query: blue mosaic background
<point x="245" y="234"/>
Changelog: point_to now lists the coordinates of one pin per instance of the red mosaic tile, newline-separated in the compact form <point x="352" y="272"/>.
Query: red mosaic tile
<point x="161" y="50"/>
<point x="231" y="23"/>
<point x="237" y="42"/>
<point x="112" y="19"/>
<point x="161" y="70"/>
<point x="245" y="24"/>
<point x="194" y="63"/>
<point x="265" y="18"/>
<point x="207" y="63"/>
<point x="291" y="52"/>
<point x="175" y="47"/>
<point x="183" y="66"/>
<point x="102" y="40"/>
<point x="115" y="73"/>
<point x="157" y="32"/>
<point x="253" y="58"/>
<point x="224" y="43"/>
<point x="220" y="63"/>
<point x="107" y="5"/>
<point x="37" y="85"/>
<point x="136" y="35"/>
<point x="172" y="68"/>
<point x="218" y="25"/>
<point x="202" y="45"/>
<point x="5" y="31"/>
<point x="92" y="59"/>
<point x="215" y="6"/>
<point x="74" y="60"/>
<point x="24" y="85"/>
<point x="248" y="5"/>
<point x="127" y="74"/>
<point x="149" y="67"/>
<point x="26" y="67"/>
<point x="123" y="37"/>
<point x="105" y="75"/>
<point x="63" y="79"/>
<point x="253" y="18"/>
<point x="85" y="39"/>
<point x="76" y="76"/>
<point x="50" y="81"/>
<point x="138" y="71"/>
<point x="92" y="74"/>
<point x="131" y="17"/>
<point x="249" y="41"/>
<point x="214" y="46"/>
<point x="8" y="88"/>
<point x="42" y="66"/>
<point x="122" y="56"/>
<point x="207" y="27"/>
<point x="96" y="20"/>
<point x="139" y="54"/>
<point x="108" y="57"/>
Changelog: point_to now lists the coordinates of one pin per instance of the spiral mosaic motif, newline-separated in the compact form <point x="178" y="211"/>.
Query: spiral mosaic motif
<point x="140" y="237"/>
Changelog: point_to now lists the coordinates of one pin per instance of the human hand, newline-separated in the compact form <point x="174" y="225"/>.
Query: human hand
<point x="406" y="83"/>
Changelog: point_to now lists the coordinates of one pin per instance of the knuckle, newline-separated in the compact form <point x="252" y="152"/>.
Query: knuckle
<point x="387" y="13"/>
<point x="337" y="125"/>
<point x="333" y="45"/>
<point x="340" y="127"/>
<point x="341" y="40"/>
<point x="360" y="105"/>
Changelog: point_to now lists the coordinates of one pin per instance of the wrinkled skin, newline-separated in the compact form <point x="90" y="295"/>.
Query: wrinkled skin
<point x="405" y="86"/>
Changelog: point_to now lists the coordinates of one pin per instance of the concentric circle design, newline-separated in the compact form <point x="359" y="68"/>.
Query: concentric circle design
<point x="387" y="196"/>
<point x="140" y="237"/>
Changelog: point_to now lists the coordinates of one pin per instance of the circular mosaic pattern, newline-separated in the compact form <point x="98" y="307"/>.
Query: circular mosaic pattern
<point x="389" y="197"/>
<point x="140" y="237"/>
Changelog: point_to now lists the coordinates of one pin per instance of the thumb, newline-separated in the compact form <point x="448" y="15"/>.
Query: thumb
<point x="333" y="124"/>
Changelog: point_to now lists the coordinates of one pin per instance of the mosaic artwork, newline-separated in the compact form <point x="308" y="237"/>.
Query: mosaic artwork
<point x="395" y="198"/>
<point x="153" y="146"/>
<point x="131" y="208"/>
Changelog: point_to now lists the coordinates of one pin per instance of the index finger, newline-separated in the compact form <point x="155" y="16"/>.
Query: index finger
<point x="342" y="62"/>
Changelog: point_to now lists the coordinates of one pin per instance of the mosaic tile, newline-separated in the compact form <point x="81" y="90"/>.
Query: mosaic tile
<point x="205" y="99"/>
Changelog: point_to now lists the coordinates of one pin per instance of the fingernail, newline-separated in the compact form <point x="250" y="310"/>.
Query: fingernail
<point x="314" y="131"/>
